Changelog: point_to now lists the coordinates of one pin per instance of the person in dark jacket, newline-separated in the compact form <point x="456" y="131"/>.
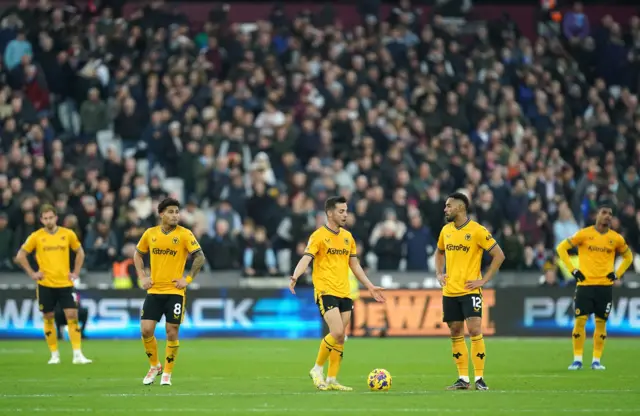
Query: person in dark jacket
<point x="222" y="249"/>
<point x="259" y="257"/>
<point x="419" y="244"/>
<point x="388" y="248"/>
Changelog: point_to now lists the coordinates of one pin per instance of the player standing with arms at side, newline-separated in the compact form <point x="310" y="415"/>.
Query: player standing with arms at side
<point x="597" y="247"/>
<point x="333" y="251"/>
<point x="461" y="245"/>
<point x="169" y="246"/>
<point x="55" y="279"/>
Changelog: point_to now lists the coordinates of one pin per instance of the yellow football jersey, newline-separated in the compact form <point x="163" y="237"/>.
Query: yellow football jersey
<point x="597" y="254"/>
<point x="331" y="252"/>
<point x="463" y="248"/>
<point x="168" y="253"/>
<point x="52" y="255"/>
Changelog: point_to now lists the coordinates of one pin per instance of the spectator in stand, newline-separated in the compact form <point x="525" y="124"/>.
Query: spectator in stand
<point x="575" y="24"/>
<point x="303" y="109"/>
<point x="16" y="50"/>
<point x="259" y="258"/>
<point x="6" y="237"/>
<point x="102" y="246"/>
<point x="388" y="247"/>
<point x="565" y="225"/>
<point x="419" y="244"/>
<point x="222" y="250"/>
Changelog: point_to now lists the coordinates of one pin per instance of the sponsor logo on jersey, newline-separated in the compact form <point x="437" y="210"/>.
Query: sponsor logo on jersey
<point x="164" y="252"/>
<point x="457" y="247"/>
<point x="340" y="252"/>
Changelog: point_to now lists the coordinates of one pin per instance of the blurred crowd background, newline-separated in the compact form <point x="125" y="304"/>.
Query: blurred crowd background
<point x="254" y="125"/>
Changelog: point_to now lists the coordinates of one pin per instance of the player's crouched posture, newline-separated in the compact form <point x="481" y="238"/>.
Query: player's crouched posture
<point x="168" y="246"/>
<point x="461" y="245"/>
<point x="597" y="248"/>
<point x="333" y="251"/>
<point x="55" y="279"/>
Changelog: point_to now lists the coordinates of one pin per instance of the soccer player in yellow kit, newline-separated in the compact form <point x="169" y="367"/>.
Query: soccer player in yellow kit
<point x="333" y="251"/>
<point x="461" y="245"/>
<point x="597" y="249"/>
<point x="169" y="246"/>
<point x="55" y="279"/>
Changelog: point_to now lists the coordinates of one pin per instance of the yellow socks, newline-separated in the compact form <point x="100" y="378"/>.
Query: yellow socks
<point x="461" y="356"/>
<point x="579" y="334"/>
<point x="335" y="359"/>
<point x="171" y="355"/>
<point x="326" y="346"/>
<point x="478" y="355"/>
<point x="51" y="335"/>
<point x="151" y="348"/>
<point x="75" y="336"/>
<point x="599" y="336"/>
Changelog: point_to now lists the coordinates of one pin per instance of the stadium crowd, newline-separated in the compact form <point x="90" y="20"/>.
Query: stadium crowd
<point x="253" y="126"/>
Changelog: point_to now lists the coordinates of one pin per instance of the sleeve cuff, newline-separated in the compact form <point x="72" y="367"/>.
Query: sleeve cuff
<point x="492" y="246"/>
<point x="310" y="255"/>
<point x="195" y="251"/>
<point x="353" y="255"/>
<point x="140" y="251"/>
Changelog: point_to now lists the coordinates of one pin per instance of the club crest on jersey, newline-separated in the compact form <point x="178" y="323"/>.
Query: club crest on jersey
<point x="346" y="241"/>
<point x="175" y="240"/>
<point x="467" y="237"/>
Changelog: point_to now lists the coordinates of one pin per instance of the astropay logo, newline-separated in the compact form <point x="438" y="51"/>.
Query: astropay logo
<point x="560" y="311"/>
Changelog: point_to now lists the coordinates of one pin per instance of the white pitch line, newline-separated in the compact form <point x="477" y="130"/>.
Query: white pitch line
<point x="308" y="393"/>
<point x="236" y="378"/>
<point x="11" y="351"/>
<point x="301" y="410"/>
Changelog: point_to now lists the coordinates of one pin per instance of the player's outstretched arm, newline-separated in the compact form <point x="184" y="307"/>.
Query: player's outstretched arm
<point x="301" y="267"/>
<point x="138" y="261"/>
<point x="497" y="258"/>
<point x="21" y="259"/>
<point x="357" y="270"/>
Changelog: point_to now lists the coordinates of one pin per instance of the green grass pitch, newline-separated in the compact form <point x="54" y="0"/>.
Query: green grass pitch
<point x="249" y="377"/>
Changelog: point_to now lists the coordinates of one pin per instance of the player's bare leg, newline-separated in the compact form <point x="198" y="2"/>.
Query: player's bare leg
<point x="173" y="346"/>
<point x="75" y="336"/>
<point x="478" y="351"/>
<point x="460" y="355"/>
<point x="51" y="336"/>
<point x="148" y="329"/>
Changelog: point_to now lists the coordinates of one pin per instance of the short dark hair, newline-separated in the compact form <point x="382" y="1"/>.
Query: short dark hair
<point x="330" y="204"/>
<point x="459" y="196"/>
<point x="166" y="203"/>
<point x="47" y="208"/>
<point x="606" y="205"/>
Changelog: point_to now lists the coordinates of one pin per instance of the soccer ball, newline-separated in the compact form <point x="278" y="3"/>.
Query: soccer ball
<point x="379" y="380"/>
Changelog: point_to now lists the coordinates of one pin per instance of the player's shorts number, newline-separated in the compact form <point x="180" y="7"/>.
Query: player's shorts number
<point x="177" y="308"/>
<point x="608" y="308"/>
<point x="477" y="301"/>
